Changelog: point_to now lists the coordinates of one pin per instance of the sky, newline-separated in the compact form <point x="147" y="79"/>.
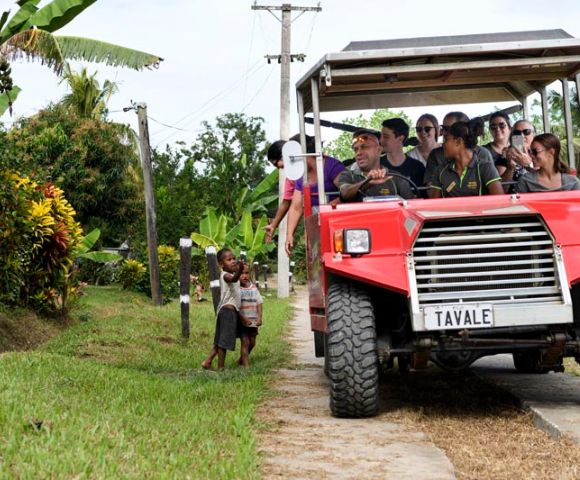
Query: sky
<point x="214" y="52"/>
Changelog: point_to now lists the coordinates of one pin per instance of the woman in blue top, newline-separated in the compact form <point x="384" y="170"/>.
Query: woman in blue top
<point x="332" y="169"/>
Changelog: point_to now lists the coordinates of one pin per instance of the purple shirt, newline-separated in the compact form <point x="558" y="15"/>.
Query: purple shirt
<point x="332" y="167"/>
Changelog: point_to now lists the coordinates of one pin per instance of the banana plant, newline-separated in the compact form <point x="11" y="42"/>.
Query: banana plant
<point x="87" y="243"/>
<point x="29" y="32"/>
<point x="212" y="230"/>
<point x="251" y="239"/>
<point x="256" y="200"/>
<point x="241" y="237"/>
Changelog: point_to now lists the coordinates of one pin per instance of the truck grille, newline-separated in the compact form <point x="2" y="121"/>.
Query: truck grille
<point x="498" y="260"/>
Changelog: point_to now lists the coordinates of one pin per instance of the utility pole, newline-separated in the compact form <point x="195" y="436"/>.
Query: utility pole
<point x="284" y="59"/>
<point x="149" y="203"/>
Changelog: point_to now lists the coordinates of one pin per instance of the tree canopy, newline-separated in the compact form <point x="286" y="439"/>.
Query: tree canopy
<point x="89" y="159"/>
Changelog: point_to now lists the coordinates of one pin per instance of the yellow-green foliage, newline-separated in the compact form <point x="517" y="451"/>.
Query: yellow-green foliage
<point x="38" y="233"/>
<point x="130" y="273"/>
<point x="168" y="271"/>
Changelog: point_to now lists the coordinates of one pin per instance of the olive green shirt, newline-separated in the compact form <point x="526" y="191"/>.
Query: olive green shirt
<point x="393" y="186"/>
<point x="474" y="180"/>
<point x="437" y="159"/>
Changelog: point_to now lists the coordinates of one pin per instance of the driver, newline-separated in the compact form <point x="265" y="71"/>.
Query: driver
<point x="368" y="178"/>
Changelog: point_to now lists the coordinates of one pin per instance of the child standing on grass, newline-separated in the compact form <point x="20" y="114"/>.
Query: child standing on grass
<point x="227" y="312"/>
<point x="250" y="310"/>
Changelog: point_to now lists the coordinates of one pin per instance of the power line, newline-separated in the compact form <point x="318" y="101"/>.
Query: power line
<point x="249" y="56"/>
<point x="165" y="124"/>
<point x="259" y="90"/>
<point x="212" y="101"/>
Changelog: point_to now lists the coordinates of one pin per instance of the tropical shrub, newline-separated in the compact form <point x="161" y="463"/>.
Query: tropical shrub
<point x="130" y="273"/>
<point x="38" y="237"/>
<point x="168" y="271"/>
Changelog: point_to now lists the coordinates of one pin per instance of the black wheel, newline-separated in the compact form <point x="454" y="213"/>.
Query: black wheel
<point x="529" y="362"/>
<point x="352" y="352"/>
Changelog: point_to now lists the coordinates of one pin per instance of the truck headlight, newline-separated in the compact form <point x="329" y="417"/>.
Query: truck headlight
<point x="357" y="241"/>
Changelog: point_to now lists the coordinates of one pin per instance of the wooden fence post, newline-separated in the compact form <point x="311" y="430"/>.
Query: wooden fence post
<point x="291" y="275"/>
<point x="257" y="275"/>
<point x="184" y="283"/>
<point x="265" y="269"/>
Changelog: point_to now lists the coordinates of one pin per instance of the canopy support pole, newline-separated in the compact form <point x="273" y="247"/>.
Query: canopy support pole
<point x="317" y="137"/>
<point x="545" y="109"/>
<point x="568" y="120"/>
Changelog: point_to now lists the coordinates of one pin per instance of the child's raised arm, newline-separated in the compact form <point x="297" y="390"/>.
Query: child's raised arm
<point x="259" y="319"/>
<point x="234" y="277"/>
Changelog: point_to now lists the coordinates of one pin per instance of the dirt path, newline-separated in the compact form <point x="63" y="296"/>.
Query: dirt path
<point x="305" y="441"/>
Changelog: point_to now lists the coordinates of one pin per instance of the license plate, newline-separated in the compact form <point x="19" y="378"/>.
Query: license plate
<point x="464" y="315"/>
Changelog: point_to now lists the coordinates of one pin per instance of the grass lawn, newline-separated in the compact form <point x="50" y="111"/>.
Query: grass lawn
<point x="120" y="395"/>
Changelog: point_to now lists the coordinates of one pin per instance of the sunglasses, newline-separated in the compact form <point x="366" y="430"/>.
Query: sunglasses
<point x="497" y="126"/>
<point x="424" y="129"/>
<point x="364" y="139"/>
<point x="525" y="132"/>
<point x="535" y="151"/>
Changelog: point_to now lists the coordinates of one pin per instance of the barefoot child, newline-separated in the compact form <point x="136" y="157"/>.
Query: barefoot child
<point x="251" y="310"/>
<point x="227" y="311"/>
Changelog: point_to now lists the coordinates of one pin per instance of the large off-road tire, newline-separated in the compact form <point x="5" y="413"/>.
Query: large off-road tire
<point x="529" y="362"/>
<point x="352" y="356"/>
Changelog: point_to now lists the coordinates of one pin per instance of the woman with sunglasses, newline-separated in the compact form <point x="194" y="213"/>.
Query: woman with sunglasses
<point x="519" y="160"/>
<point x="465" y="174"/>
<point x="500" y="128"/>
<point x="551" y="174"/>
<point x="427" y="131"/>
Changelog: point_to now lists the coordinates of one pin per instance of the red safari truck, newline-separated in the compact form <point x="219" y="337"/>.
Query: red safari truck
<point x="403" y="282"/>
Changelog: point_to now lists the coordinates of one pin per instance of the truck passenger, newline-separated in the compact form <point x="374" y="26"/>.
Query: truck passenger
<point x="437" y="157"/>
<point x="500" y="129"/>
<point x="519" y="161"/>
<point x="368" y="177"/>
<point x="393" y="135"/>
<point x="465" y="174"/>
<point x="275" y="158"/>
<point x="332" y="170"/>
<point x="551" y="174"/>
<point x="427" y="129"/>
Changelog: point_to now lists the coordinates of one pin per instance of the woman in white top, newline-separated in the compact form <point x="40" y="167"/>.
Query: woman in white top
<point x="427" y="129"/>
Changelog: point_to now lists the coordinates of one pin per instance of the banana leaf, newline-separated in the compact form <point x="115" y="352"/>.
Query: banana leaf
<point x="58" y="13"/>
<point x="246" y="231"/>
<point x="7" y="98"/>
<point x="101" y="257"/>
<point x="87" y="242"/>
<point x="265" y="186"/>
<point x="19" y="20"/>
<point x="202" y="241"/>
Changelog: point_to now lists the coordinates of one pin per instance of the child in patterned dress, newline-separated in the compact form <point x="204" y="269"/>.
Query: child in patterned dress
<point x="251" y="311"/>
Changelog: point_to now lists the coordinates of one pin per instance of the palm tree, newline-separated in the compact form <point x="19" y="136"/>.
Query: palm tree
<point x="29" y="33"/>
<point x="86" y="98"/>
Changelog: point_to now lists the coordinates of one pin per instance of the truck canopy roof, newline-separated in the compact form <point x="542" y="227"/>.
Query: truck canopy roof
<point x="441" y="70"/>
